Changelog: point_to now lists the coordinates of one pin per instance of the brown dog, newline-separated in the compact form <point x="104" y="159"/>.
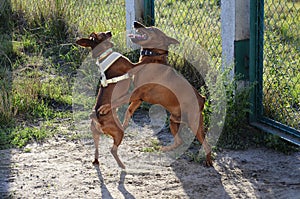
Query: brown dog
<point x="101" y="49"/>
<point x="151" y="87"/>
<point x="154" y="49"/>
<point x="154" y="43"/>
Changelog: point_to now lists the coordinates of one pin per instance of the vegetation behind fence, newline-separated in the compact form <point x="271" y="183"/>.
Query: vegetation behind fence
<point x="281" y="77"/>
<point x="198" y="20"/>
<point x="38" y="52"/>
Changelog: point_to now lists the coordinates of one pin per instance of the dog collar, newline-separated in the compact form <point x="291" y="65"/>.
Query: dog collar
<point x="147" y="52"/>
<point x="105" y="64"/>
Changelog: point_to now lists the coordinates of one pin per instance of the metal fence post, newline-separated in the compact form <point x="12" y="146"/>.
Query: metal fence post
<point x="228" y="33"/>
<point x="235" y="23"/>
<point x="149" y="12"/>
<point x="241" y="40"/>
<point x="255" y="66"/>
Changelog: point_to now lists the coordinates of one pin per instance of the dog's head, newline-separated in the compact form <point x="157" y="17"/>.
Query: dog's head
<point x="99" y="42"/>
<point x="94" y="39"/>
<point x="151" y="37"/>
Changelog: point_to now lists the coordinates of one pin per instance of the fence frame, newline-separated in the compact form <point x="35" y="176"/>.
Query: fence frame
<point x="243" y="45"/>
<point x="256" y="117"/>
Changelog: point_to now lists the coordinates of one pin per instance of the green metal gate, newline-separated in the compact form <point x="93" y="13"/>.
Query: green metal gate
<point x="275" y="67"/>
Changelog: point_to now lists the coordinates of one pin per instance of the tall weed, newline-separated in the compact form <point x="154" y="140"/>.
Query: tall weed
<point x="7" y="111"/>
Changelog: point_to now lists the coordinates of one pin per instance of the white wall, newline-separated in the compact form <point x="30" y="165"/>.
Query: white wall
<point x="235" y="26"/>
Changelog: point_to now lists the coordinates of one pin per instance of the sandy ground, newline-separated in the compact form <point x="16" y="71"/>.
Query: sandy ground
<point x="61" y="168"/>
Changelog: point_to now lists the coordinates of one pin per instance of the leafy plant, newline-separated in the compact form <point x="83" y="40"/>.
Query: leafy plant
<point x="4" y="139"/>
<point x="21" y="137"/>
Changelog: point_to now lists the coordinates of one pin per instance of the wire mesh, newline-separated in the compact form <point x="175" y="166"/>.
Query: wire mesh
<point x="199" y="20"/>
<point x="281" y="77"/>
<point x="101" y="16"/>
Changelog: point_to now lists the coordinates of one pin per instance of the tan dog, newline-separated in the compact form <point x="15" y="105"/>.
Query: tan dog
<point x="152" y="84"/>
<point x="154" y="49"/>
<point x="101" y="49"/>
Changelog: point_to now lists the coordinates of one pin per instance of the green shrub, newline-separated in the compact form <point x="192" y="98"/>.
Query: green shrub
<point x="6" y="108"/>
<point x="234" y="100"/>
<point x="22" y="136"/>
<point x="4" y="139"/>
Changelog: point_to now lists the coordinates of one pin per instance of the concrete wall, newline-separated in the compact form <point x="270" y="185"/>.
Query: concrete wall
<point x="235" y="27"/>
<point x="242" y="19"/>
<point x="134" y="12"/>
<point x="228" y="32"/>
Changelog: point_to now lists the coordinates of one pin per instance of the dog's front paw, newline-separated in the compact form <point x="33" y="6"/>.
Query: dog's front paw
<point x="96" y="162"/>
<point x="104" y="109"/>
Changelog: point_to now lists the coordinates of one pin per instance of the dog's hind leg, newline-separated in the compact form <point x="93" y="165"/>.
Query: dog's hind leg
<point x="114" y="149"/>
<point x="96" y="137"/>
<point x="201" y="137"/>
<point x="130" y="110"/>
<point x="174" y="128"/>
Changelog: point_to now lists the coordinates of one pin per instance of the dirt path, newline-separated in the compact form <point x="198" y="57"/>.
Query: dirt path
<point x="61" y="168"/>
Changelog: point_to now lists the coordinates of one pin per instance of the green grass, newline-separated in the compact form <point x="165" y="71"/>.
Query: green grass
<point x="154" y="147"/>
<point x="20" y="137"/>
<point x="27" y="132"/>
<point x="39" y="58"/>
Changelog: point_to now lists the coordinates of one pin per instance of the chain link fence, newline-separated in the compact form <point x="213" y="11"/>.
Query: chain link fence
<point x="196" y="23"/>
<point x="85" y="16"/>
<point x="101" y="16"/>
<point x="281" y="76"/>
<point x="199" y="20"/>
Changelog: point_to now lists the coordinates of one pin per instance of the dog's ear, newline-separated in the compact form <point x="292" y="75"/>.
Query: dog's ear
<point x="93" y="35"/>
<point x="172" y="41"/>
<point x="108" y="33"/>
<point x="85" y="42"/>
<point x="137" y="24"/>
